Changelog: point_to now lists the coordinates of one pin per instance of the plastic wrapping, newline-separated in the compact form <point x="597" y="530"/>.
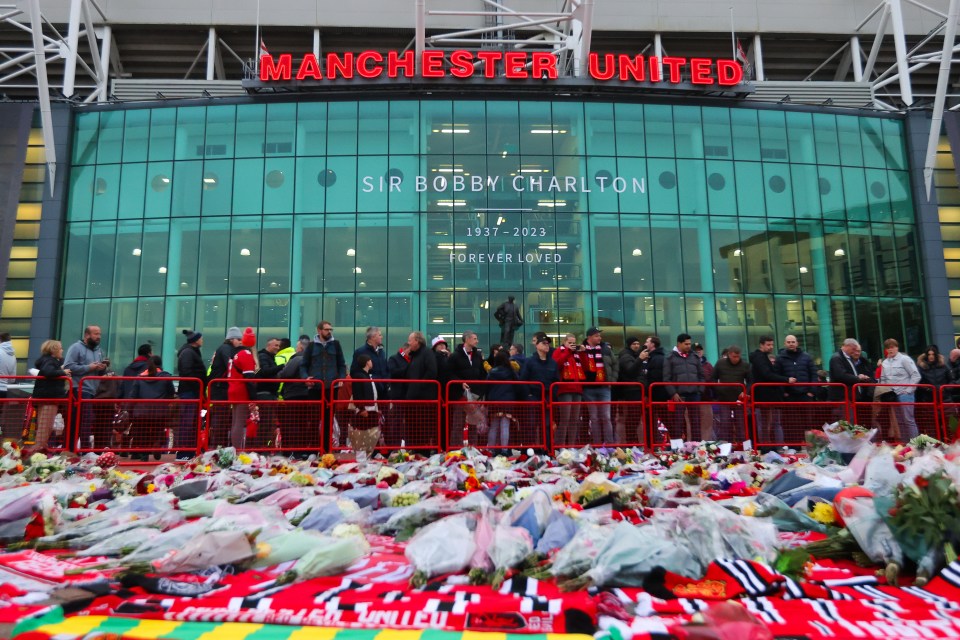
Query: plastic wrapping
<point x="443" y="547"/>
<point x="843" y="441"/>
<point x="560" y="530"/>
<point x="632" y="552"/>
<point x="870" y="530"/>
<point x="578" y="555"/>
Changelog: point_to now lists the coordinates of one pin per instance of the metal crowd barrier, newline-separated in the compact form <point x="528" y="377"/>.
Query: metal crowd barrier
<point x="408" y="415"/>
<point x="36" y="422"/>
<point x="799" y="408"/>
<point x="895" y="412"/>
<point x="517" y="419"/>
<point x="120" y="419"/>
<point x="698" y="415"/>
<point x="617" y="422"/>
<point x="949" y="398"/>
<point x="275" y="419"/>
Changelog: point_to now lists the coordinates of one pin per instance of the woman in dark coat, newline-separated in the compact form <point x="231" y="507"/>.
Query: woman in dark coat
<point x="49" y="389"/>
<point x="151" y="418"/>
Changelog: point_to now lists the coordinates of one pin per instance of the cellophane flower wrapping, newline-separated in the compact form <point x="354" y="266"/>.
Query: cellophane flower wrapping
<point x="207" y="550"/>
<point x="446" y="546"/>
<point x="847" y="438"/>
<point x="632" y="552"/>
<point x="578" y="556"/>
<point x="870" y="530"/>
<point x="330" y="556"/>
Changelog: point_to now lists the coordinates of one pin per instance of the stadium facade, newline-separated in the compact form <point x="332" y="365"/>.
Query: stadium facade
<point x="411" y="165"/>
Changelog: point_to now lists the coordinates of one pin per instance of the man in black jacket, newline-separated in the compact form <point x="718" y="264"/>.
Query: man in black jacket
<point x="768" y="418"/>
<point x="267" y="392"/>
<point x="421" y="423"/>
<point x="397" y="366"/>
<point x="135" y="368"/>
<point x="220" y="418"/>
<point x="465" y="364"/>
<point x="847" y="367"/>
<point x="189" y="365"/>
<point x="652" y="357"/>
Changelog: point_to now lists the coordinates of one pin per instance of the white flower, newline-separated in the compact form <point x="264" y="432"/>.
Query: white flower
<point x="500" y="462"/>
<point x="37" y="458"/>
<point x="524" y="492"/>
<point x="344" y="530"/>
<point x="565" y="457"/>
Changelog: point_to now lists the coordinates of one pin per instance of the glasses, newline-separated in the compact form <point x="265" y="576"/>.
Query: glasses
<point x="327" y="329"/>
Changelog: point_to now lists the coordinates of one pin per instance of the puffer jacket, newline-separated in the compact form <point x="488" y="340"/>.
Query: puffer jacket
<point x="8" y="363"/>
<point x="679" y="368"/>
<point x="631" y="370"/>
<point x="936" y="374"/>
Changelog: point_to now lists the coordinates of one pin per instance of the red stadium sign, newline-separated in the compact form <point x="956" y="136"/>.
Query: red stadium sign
<point x="513" y="65"/>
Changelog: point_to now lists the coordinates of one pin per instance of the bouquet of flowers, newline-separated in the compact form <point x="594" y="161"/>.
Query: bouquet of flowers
<point x="846" y="437"/>
<point x="926" y="521"/>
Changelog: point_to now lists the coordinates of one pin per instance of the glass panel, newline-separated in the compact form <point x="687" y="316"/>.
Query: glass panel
<point x="800" y="137"/>
<point x="878" y="195"/>
<point x="908" y="269"/>
<point x="806" y="190"/>
<point x="163" y="126"/>
<point x="191" y="126"/>
<point x="659" y="124"/>
<point x="75" y="264"/>
<point x="308" y="253"/>
<point x="339" y="266"/>
<point x="665" y="240"/>
<point x="726" y="255"/>
<point x="777" y="189"/>
<point x="102" y="250"/>
<point x="221" y="131"/>
<point x="471" y="116"/>
<point x="894" y="148"/>
<point x="81" y="193"/>
<point x="184" y="256"/>
<point x="246" y="255"/>
<point x="692" y="187"/>
<point x="248" y="186"/>
<point x="217" y="187"/>
<point x="187" y="187"/>
<point x="155" y="261"/>
<point x="281" y="129"/>
<point x="342" y="195"/>
<point x="110" y="140"/>
<point x="848" y="134"/>
<point x="158" y="190"/>
<point x="371" y="262"/>
<point x="85" y="138"/>
<point x="630" y="128"/>
<point x="830" y="187"/>
<point x="634" y="172"/>
<point x="784" y="263"/>
<point x="342" y="128"/>
<point x="404" y="118"/>
<point x="278" y="189"/>
<point x="375" y="184"/>
<point x="855" y="192"/>
<point x="251" y="130"/>
<point x="126" y="274"/>
<point x="663" y="186"/>
<point x="133" y="180"/>
<point x="688" y="132"/>
<point x="773" y="136"/>
<point x="213" y="272"/>
<point x="750" y="191"/>
<point x="863" y="278"/>
<point x="312" y="129"/>
<point x="106" y="192"/>
<point x="900" y="200"/>
<point x="872" y="137"/>
<point x="825" y="135"/>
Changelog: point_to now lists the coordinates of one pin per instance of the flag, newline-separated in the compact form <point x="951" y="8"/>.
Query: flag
<point x="743" y="60"/>
<point x="263" y="49"/>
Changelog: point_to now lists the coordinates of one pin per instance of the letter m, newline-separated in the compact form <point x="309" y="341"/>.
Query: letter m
<point x="282" y="70"/>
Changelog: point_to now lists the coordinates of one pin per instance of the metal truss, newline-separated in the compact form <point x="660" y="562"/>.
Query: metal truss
<point x="565" y="33"/>
<point x="26" y="67"/>
<point x="888" y="17"/>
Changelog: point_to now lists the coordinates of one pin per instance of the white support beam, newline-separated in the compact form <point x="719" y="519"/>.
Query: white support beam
<point x="585" y="11"/>
<point x="900" y="44"/>
<point x="758" y="58"/>
<point x="420" y="29"/>
<point x="943" y="79"/>
<point x="103" y="81"/>
<point x="316" y="43"/>
<point x="211" y="53"/>
<point x="92" y="41"/>
<point x="73" y="40"/>
<point x="855" y="60"/>
<point x="43" y="89"/>
<point x="877" y="43"/>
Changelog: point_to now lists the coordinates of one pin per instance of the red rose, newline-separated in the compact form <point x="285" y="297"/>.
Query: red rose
<point x="921" y="482"/>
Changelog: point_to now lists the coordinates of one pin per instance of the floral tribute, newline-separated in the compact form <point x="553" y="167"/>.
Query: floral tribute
<point x="511" y="542"/>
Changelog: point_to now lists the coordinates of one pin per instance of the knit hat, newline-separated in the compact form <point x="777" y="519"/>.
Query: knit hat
<point x="631" y="340"/>
<point x="249" y="337"/>
<point x="436" y="341"/>
<point x="192" y="336"/>
<point x="234" y="333"/>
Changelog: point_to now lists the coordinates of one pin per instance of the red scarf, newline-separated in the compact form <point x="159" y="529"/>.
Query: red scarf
<point x="594" y="359"/>
<point x="572" y="369"/>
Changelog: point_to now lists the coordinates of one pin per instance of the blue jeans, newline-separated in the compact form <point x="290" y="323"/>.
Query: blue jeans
<point x="499" y="427"/>
<point x="601" y="427"/>
<point x="908" y="426"/>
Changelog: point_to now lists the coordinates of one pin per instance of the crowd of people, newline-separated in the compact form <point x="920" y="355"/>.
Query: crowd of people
<point x="379" y="406"/>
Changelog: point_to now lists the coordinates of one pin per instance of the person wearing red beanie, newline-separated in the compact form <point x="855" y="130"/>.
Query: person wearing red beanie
<point x="242" y="366"/>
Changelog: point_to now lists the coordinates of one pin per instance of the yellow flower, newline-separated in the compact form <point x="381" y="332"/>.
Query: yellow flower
<point x="749" y="510"/>
<point x="151" y="488"/>
<point x="244" y="458"/>
<point x="688" y="468"/>
<point x="824" y="513"/>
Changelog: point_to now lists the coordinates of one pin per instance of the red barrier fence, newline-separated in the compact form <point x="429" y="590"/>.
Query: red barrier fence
<point x="37" y="421"/>
<point x="898" y="412"/>
<point x="601" y="415"/>
<point x="782" y="414"/>
<point x="135" y="415"/>
<point x="138" y="415"/>
<point x="697" y="411"/>
<point x="949" y="399"/>
<point x="265" y="423"/>
<point x="406" y="413"/>
<point x="495" y="414"/>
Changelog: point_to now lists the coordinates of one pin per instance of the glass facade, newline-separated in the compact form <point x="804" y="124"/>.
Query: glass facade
<point x="727" y="223"/>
